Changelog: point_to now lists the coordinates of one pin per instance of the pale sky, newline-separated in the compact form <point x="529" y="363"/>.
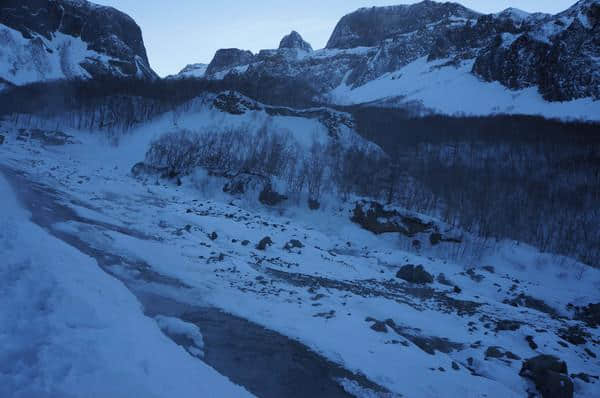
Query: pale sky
<point x="180" y="32"/>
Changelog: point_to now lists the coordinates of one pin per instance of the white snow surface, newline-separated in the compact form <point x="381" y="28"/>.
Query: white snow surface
<point x="24" y="61"/>
<point x="330" y="320"/>
<point x="67" y="329"/>
<point x="454" y="90"/>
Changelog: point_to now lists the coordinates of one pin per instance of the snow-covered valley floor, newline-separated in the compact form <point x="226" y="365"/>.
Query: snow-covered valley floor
<point x="98" y="263"/>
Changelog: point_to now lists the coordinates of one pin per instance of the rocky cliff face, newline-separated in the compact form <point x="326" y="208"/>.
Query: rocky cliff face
<point x="557" y="54"/>
<point x="48" y="39"/>
<point x="295" y="41"/>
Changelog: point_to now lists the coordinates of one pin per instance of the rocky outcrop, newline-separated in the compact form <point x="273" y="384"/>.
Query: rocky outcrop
<point x="85" y="39"/>
<point x="414" y="274"/>
<point x="295" y="41"/>
<point x="550" y="376"/>
<point x="368" y="27"/>
<point x="227" y="59"/>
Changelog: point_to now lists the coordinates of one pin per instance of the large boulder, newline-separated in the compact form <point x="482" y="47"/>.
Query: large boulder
<point x="268" y="196"/>
<point x="414" y="274"/>
<point x="374" y="217"/>
<point x="550" y="376"/>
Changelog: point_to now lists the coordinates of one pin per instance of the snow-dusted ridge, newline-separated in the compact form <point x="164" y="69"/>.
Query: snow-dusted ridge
<point x="511" y="58"/>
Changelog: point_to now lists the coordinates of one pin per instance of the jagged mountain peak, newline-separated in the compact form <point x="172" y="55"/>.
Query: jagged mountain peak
<point x="295" y="40"/>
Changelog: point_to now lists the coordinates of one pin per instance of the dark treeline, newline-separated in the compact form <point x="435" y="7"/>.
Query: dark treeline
<point x="519" y="177"/>
<point x="162" y="94"/>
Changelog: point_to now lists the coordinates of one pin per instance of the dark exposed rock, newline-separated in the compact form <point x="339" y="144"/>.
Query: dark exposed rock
<point x="104" y="29"/>
<point x="531" y="342"/>
<point x="377" y="326"/>
<point x="455" y="366"/>
<point x="533" y="303"/>
<point x="457" y="290"/>
<point x="585" y="377"/>
<point x="270" y="197"/>
<point x="264" y="243"/>
<point x="313" y="204"/>
<point x="574" y="335"/>
<point x="45" y="137"/>
<point x="550" y="376"/>
<point x="293" y="244"/>
<point x="295" y="41"/>
<point x="369" y="26"/>
<point x="1" y="139"/>
<point x="414" y="274"/>
<point x="590" y="352"/>
<point x="373" y="217"/>
<point x="213" y="236"/>
<point x="494" y="352"/>
<point x="234" y="103"/>
<point x="507" y="325"/>
<point x="589" y="314"/>
<point x="244" y="182"/>
<point x="441" y="278"/>
<point x="228" y="58"/>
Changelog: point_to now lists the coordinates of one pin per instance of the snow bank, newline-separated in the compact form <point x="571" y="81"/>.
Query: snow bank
<point x="68" y="329"/>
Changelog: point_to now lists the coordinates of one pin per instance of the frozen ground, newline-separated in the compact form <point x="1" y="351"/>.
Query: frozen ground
<point x="142" y="258"/>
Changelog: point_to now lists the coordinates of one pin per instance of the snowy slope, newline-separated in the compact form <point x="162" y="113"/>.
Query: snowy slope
<point x="69" y="329"/>
<point x="25" y="61"/>
<point x="191" y="71"/>
<point x="338" y="294"/>
<point x="444" y="87"/>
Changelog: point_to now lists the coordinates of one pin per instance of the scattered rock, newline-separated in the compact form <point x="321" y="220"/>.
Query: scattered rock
<point x="379" y="327"/>
<point x="494" y="352"/>
<point x="489" y="269"/>
<point x="264" y="243"/>
<point x="1" y="139"/>
<point x="245" y="242"/>
<point x="455" y="366"/>
<point x="293" y="244"/>
<point x="313" y="204"/>
<point x="435" y="238"/>
<point x="531" y="343"/>
<point x="507" y="325"/>
<point x="270" y="197"/>
<point x="441" y="278"/>
<point x="373" y="217"/>
<point x="549" y="375"/>
<point x="213" y="236"/>
<point x="533" y="303"/>
<point x="574" y="335"/>
<point x="475" y="276"/>
<point x="589" y="352"/>
<point x="414" y="274"/>
<point x="589" y="314"/>
<point x="585" y="377"/>
<point x="457" y="290"/>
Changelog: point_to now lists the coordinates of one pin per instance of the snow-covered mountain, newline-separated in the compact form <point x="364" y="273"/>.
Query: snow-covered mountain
<point x="444" y="56"/>
<point x="57" y="39"/>
<point x="191" y="70"/>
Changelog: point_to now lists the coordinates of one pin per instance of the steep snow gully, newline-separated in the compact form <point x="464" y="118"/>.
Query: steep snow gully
<point x="265" y="362"/>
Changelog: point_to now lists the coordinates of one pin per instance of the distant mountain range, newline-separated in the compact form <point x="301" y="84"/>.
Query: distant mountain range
<point x="439" y="57"/>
